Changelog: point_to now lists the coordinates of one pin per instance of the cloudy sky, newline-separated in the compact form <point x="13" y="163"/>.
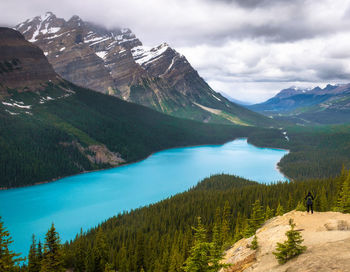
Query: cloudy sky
<point x="248" y="49"/>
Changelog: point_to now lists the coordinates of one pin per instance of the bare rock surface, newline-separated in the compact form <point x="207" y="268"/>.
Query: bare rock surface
<point x="114" y="61"/>
<point x="23" y="65"/>
<point x="326" y="235"/>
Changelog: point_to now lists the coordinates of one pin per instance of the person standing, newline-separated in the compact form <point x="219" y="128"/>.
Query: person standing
<point x="309" y="202"/>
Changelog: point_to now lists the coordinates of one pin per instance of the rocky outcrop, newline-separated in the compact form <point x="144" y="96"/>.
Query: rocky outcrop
<point x="114" y="61"/>
<point x="326" y="235"/>
<point x="97" y="154"/>
<point x="23" y="65"/>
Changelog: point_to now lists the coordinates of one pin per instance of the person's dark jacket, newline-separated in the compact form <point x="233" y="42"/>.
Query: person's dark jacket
<point x="309" y="198"/>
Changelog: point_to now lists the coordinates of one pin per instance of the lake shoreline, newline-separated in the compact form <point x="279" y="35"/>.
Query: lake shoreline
<point x="140" y="160"/>
<point x="85" y="201"/>
<point x="113" y="167"/>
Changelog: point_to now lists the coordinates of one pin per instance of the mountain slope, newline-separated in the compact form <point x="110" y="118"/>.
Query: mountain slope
<point x="330" y="105"/>
<point x="55" y="128"/>
<point x="22" y="65"/>
<point x="115" y="62"/>
<point x="326" y="235"/>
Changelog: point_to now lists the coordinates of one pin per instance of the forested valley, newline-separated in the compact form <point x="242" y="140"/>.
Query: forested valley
<point x="159" y="237"/>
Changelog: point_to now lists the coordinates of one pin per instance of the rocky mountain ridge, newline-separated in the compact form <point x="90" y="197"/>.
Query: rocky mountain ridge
<point x="115" y="62"/>
<point x="330" y="104"/>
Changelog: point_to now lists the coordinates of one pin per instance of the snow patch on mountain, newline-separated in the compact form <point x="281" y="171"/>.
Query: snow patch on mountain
<point x="143" y="56"/>
<point x="216" y="97"/>
<point x="169" y="68"/>
<point x="102" y="54"/>
<point x="99" y="41"/>
<point x="17" y="105"/>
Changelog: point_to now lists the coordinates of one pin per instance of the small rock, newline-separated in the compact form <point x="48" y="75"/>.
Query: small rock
<point x="337" y="225"/>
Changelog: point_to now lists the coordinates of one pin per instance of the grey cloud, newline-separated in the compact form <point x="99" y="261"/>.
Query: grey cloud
<point x="260" y="3"/>
<point x="332" y="71"/>
<point x="182" y="23"/>
<point x="216" y="23"/>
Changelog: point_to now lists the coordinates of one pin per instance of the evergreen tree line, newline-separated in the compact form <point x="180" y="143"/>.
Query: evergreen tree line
<point x="161" y="237"/>
<point x="48" y="258"/>
<point x="315" y="151"/>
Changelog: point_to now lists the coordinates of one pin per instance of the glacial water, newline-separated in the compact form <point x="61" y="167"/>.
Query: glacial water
<point x="85" y="200"/>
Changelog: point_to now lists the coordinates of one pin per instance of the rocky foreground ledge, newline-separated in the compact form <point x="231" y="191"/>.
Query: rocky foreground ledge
<point x="326" y="235"/>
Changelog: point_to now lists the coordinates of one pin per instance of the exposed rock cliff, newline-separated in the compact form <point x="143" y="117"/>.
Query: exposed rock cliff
<point x="23" y="65"/>
<point x="115" y="62"/>
<point x="326" y="235"/>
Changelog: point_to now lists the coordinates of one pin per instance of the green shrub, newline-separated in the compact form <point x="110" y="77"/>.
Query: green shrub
<point x="291" y="247"/>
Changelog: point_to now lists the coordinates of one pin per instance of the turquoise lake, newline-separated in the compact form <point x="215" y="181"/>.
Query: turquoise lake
<point x="85" y="200"/>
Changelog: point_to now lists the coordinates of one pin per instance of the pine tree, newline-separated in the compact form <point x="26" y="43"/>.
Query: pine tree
<point x="52" y="256"/>
<point x="339" y="184"/>
<point x="291" y="247"/>
<point x="256" y="220"/>
<point x="342" y="177"/>
<point x="344" y="197"/>
<point x="323" y="200"/>
<point x="279" y="210"/>
<point x="268" y="213"/>
<point x="40" y="252"/>
<point x="217" y="227"/>
<point x="140" y="252"/>
<point x="300" y="207"/>
<point x="238" y="233"/>
<point x="79" y="253"/>
<point x="90" y="260"/>
<point x="199" y="258"/>
<point x="216" y="249"/>
<point x="34" y="261"/>
<point x="239" y="228"/>
<point x="100" y="251"/>
<point x="123" y="263"/>
<point x="176" y="261"/>
<point x="290" y="205"/>
<point x="225" y="224"/>
<point x="254" y="244"/>
<point x="8" y="259"/>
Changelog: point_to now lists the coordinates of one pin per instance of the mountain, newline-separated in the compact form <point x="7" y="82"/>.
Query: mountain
<point x="292" y="98"/>
<point x="51" y="128"/>
<point x="22" y="65"/>
<point x="114" y="61"/>
<point x="330" y="105"/>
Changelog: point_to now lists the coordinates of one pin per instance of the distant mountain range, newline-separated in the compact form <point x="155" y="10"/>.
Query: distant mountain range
<point x="113" y="61"/>
<point x="51" y="128"/>
<point x="329" y="105"/>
